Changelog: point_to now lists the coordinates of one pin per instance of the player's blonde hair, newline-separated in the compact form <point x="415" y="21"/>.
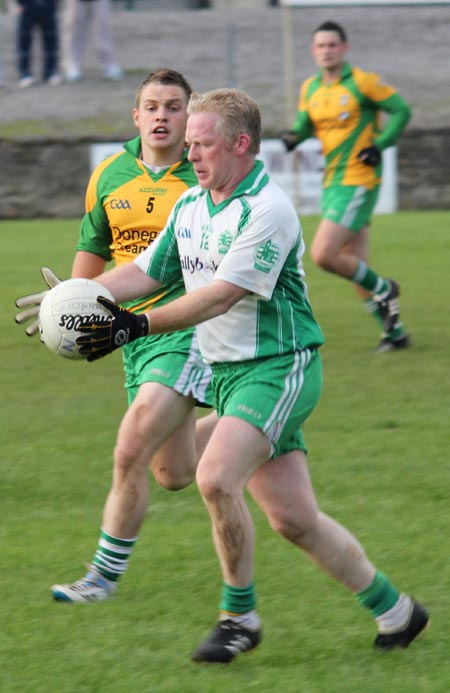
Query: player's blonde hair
<point x="238" y="113"/>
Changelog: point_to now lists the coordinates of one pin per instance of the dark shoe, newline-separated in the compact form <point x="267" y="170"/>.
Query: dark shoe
<point x="389" y="306"/>
<point x="225" y="641"/>
<point x="417" y="622"/>
<point x="388" y="344"/>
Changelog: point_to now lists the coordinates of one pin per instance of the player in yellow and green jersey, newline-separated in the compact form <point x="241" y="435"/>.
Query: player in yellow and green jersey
<point x="128" y="200"/>
<point x="342" y="106"/>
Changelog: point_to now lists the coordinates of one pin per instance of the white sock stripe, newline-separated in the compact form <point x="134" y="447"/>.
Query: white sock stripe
<point x="379" y="285"/>
<point x="361" y="269"/>
<point x="115" y="567"/>
<point x="396" y="617"/>
<point x="124" y="550"/>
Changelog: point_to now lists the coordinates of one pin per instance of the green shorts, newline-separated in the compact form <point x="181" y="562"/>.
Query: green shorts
<point x="275" y="394"/>
<point x="171" y="359"/>
<point x="350" y="206"/>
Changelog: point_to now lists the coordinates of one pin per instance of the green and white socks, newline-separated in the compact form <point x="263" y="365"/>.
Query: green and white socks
<point x="373" y="309"/>
<point x="238" y="604"/>
<point x="389" y="607"/>
<point x="368" y="279"/>
<point x="112" y="557"/>
<point x="371" y="281"/>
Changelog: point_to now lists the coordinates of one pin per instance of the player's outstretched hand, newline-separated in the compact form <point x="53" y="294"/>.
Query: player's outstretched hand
<point x="370" y="156"/>
<point x="32" y="302"/>
<point x="289" y="139"/>
<point x="103" y="337"/>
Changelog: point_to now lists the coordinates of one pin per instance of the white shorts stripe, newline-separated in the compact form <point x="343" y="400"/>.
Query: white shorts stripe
<point x="353" y="208"/>
<point x="293" y="386"/>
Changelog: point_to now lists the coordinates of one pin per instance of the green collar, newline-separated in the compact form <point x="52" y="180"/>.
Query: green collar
<point x="253" y="182"/>
<point x="346" y="72"/>
<point x="133" y="147"/>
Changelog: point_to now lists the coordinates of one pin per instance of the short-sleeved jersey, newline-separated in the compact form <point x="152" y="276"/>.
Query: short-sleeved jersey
<point x="127" y="205"/>
<point x="253" y="240"/>
<point x="346" y="117"/>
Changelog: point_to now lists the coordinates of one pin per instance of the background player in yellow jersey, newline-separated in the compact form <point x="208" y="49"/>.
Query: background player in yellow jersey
<point x="128" y="200"/>
<point x="342" y="107"/>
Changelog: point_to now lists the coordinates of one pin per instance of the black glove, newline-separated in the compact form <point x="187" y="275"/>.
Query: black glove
<point x="370" y="156"/>
<point x="289" y="139"/>
<point x="100" y="338"/>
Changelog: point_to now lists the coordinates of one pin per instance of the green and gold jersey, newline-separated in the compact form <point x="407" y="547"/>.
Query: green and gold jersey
<point x="346" y="117"/>
<point x="127" y="205"/>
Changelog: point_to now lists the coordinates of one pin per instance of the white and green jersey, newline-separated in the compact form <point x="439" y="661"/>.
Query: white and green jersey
<point x="253" y="240"/>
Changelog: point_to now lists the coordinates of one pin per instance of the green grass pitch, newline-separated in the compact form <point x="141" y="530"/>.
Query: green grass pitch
<point x="379" y="450"/>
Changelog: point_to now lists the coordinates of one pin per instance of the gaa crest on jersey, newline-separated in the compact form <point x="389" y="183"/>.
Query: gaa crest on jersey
<point x="120" y="204"/>
<point x="224" y="242"/>
<point x="266" y="256"/>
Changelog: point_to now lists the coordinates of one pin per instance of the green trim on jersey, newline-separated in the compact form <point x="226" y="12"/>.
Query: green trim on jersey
<point x="255" y="180"/>
<point x="400" y="115"/>
<point x="245" y="216"/>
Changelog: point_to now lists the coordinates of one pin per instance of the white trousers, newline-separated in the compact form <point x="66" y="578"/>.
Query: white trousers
<point x="79" y="17"/>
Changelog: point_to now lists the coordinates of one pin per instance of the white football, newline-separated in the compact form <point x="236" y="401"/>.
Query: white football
<point x="64" y="308"/>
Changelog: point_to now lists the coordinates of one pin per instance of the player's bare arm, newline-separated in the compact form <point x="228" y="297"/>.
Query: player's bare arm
<point x="196" y="307"/>
<point x="205" y="303"/>
<point x="87" y="265"/>
<point x="127" y="282"/>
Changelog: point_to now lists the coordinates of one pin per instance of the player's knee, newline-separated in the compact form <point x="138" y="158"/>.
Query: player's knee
<point x="285" y="526"/>
<point x="173" y="482"/>
<point x="295" y="527"/>
<point x="323" y="258"/>
<point x="173" y="474"/>
<point x="126" y="460"/>
<point x="211" y="488"/>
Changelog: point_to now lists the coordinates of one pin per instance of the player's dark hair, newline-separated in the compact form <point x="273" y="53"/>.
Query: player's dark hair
<point x="165" y="75"/>
<point x="333" y="26"/>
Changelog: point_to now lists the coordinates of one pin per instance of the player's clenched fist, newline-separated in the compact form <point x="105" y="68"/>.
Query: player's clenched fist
<point x="101" y="338"/>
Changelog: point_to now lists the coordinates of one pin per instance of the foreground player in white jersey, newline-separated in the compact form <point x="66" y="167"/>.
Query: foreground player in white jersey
<point x="237" y="242"/>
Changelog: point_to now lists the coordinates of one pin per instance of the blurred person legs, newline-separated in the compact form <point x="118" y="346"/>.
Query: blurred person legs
<point x="25" y="25"/>
<point x="41" y="15"/>
<point x="50" y="45"/>
<point x="344" y="251"/>
<point x="80" y="16"/>
<point x="104" y="38"/>
<point x="1" y="59"/>
<point x="75" y="27"/>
